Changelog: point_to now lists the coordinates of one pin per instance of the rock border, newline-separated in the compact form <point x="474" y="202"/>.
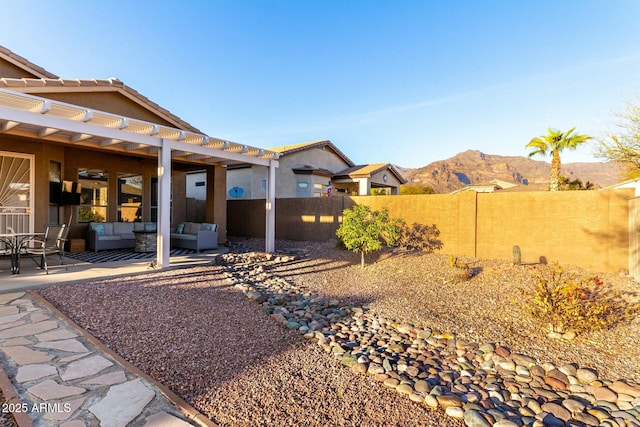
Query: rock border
<point x="482" y="384"/>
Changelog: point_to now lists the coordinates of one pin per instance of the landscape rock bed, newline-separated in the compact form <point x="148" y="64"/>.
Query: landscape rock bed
<point x="479" y="383"/>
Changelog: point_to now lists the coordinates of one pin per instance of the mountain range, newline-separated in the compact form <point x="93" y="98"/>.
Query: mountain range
<point x="473" y="166"/>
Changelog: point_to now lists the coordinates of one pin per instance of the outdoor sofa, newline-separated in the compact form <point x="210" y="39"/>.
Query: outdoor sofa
<point x="195" y="235"/>
<point x="115" y="235"/>
<point x="120" y="235"/>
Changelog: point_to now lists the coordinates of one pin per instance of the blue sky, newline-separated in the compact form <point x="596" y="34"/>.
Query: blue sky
<point x="406" y="82"/>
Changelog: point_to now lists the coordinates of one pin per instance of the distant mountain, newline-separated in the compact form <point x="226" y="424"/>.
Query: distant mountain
<point x="473" y="166"/>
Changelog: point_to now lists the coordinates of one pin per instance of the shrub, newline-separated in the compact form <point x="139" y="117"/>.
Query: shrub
<point x="420" y="237"/>
<point x="461" y="270"/>
<point x="580" y="304"/>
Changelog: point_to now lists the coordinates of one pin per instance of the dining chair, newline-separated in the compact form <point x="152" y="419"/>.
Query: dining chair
<point x="53" y="242"/>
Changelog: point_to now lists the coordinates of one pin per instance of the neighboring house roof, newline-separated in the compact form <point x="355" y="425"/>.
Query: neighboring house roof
<point x="366" y="171"/>
<point x="295" y="148"/>
<point x="486" y="187"/>
<point x="310" y="170"/>
<point x="621" y="183"/>
<point x="24" y="64"/>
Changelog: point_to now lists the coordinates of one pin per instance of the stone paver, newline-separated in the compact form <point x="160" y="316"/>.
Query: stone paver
<point x="64" y="410"/>
<point x="56" y="334"/>
<point x="73" y="390"/>
<point x="12" y="318"/>
<point x="7" y="298"/>
<point x="51" y="390"/>
<point x="17" y="341"/>
<point x="85" y="367"/>
<point x="8" y="310"/>
<point x="35" y="372"/>
<point x="122" y="404"/>
<point x="162" y="419"/>
<point x="107" y="379"/>
<point x="28" y="329"/>
<point x="23" y="355"/>
<point x="71" y="345"/>
<point x="69" y="359"/>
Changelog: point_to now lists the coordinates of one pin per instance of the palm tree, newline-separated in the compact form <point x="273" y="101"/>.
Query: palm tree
<point x="554" y="142"/>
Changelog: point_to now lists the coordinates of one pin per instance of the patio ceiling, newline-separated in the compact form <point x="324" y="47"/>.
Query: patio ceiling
<point x="41" y="118"/>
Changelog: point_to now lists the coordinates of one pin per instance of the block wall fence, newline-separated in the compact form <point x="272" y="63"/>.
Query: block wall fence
<point x="595" y="230"/>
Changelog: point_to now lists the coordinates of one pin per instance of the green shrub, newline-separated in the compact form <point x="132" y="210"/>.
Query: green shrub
<point x="566" y="302"/>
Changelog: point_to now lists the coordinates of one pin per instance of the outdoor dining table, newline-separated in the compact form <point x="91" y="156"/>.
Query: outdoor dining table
<point x="14" y="242"/>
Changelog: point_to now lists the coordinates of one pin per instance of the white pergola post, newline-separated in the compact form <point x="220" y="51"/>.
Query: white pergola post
<point x="270" y="208"/>
<point x="164" y="205"/>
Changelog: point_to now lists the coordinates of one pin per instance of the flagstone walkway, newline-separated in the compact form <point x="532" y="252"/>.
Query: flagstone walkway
<point x="63" y="378"/>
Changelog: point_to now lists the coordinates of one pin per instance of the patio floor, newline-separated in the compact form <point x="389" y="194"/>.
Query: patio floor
<point x="32" y="277"/>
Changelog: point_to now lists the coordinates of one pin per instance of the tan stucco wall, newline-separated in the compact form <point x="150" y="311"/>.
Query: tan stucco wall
<point x="588" y="229"/>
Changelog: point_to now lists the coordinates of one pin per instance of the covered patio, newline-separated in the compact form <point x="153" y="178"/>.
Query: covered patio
<point x="33" y="118"/>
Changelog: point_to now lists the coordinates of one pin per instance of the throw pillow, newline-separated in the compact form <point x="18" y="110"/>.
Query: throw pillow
<point x="99" y="228"/>
<point x="180" y="228"/>
<point x="207" y="227"/>
<point x="150" y="226"/>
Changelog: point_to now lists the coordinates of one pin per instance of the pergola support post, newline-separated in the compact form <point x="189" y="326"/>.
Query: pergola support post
<point x="164" y="205"/>
<point x="270" y="209"/>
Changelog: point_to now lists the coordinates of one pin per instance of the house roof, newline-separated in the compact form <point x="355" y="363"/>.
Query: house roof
<point x="24" y="64"/>
<point x="296" y="148"/>
<point x="366" y="171"/>
<point x="58" y="85"/>
<point x="45" y="82"/>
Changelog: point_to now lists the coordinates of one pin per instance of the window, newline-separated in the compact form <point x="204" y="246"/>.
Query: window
<point x="154" y="199"/>
<point x="129" y="197"/>
<point x="319" y="190"/>
<point x="303" y="189"/>
<point x="94" y="189"/>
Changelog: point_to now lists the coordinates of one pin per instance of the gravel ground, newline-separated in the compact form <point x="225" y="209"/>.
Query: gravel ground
<point x="195" y="333"/>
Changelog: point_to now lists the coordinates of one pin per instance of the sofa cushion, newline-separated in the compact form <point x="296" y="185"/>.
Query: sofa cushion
<point x="98" y="227"/>
<point x="120" y="228"/>
<point x="108" y="228"/>
<point x="138" y="226"/>
<point x="177" y="236"/>
<point x="112" y="237"/>
<point x="192" y="227"/>
<point x="127" y="236"/>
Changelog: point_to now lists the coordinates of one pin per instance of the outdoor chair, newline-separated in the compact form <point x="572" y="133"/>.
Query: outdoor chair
<point x="4" y="248"/>
<point x="55" y="237"/>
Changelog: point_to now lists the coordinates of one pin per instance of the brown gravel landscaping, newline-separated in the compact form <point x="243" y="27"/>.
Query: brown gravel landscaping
<point x="201" y="337"/>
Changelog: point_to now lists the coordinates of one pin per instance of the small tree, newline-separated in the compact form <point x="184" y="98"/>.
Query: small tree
<point x="623" y="147"/>
<point x="364" y="230"/>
